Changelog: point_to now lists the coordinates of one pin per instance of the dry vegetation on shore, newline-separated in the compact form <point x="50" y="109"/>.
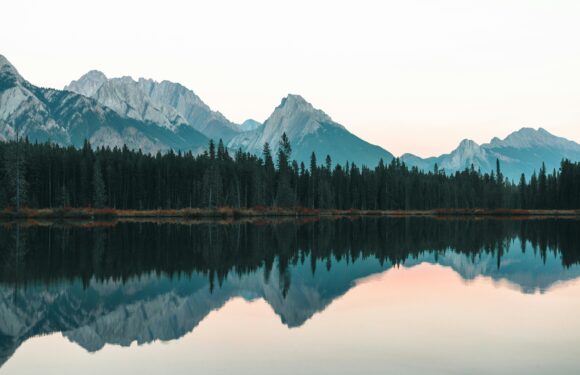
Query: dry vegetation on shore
<point x="228" y="212"/>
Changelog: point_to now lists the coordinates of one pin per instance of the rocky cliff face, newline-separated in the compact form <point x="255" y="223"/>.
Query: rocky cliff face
<point x="68" y="118"/>
<point x="165" y="103"/>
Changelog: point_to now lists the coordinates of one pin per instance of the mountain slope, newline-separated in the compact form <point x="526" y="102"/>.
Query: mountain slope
<point x="308" y="130"/>
<point x="166" y="103"/>
<point x="68" y="118"/>
<point x="523" y="151"/>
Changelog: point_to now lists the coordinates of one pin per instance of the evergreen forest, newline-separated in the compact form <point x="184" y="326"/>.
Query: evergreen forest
<point x="45" y="175"/>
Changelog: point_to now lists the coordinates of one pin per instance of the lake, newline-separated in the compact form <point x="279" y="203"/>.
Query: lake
<point x="358" y="295"/>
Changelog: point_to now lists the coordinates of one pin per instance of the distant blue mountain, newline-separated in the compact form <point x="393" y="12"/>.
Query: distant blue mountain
<point x="523" y="151"/>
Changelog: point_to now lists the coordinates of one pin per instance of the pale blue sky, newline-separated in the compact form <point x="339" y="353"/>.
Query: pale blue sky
<point x="412" y="76"/>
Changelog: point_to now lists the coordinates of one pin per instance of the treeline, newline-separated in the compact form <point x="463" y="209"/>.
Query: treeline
<point x="51" y="176"/>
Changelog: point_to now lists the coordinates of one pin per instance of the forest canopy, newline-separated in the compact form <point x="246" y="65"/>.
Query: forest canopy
<point x="48" y="176"/>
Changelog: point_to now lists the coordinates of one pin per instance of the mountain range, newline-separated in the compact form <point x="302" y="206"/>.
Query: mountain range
<point x="171" y="105"/>
<point x="68" y="118"/>
<point x="165" y="103"/>
<point x="523" y="151"/>
<point x="161" y="116"/>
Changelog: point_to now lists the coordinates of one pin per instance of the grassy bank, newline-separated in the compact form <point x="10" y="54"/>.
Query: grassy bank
<point x="257" y="212"/>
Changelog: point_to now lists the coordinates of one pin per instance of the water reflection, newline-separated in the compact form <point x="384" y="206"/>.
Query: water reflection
<point x="140" y="282"/>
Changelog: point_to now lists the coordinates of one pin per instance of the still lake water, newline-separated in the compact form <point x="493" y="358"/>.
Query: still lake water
<point x="342" y="296"/>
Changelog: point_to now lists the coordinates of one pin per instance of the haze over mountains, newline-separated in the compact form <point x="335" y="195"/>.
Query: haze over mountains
<point x="159" y="116"/>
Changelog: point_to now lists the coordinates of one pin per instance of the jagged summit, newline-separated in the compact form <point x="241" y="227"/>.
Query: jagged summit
<point x="294" y="116"/>
<point x="294" y="100"/>
<point x="165" y="103"/>
<point x="309" y="130"/>
<point x="88" y="84"/>
<point x="296" y="103"/>
<point x="298" y="116"/>
<point x="529" y="137"/>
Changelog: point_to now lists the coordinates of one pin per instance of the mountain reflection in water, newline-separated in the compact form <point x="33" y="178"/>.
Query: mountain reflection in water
<point x="144" y="281"/>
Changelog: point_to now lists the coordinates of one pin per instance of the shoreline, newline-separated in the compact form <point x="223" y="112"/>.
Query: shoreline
<point x="269" y="212"/>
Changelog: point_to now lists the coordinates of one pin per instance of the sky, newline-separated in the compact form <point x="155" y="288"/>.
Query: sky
<point x="411" y="76"/>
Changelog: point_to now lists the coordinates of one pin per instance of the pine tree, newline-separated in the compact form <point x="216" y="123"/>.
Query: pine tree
<point x="99" y="194"/>
<point x="15" y="185"/>
<point x="222" y="153"/>
<point x="313" y="188"/>
<point x="211" y="148"/>
<point x="522" y="192"/>
<point x="269" y="176"/>
<point x="542" y="187"/>
<point x="285" y="194"/>
<point x="328" y="163"/>
<point x="284" y="152"/>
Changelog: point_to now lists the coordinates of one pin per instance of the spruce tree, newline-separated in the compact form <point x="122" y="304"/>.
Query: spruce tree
<point x="99" y="194"/>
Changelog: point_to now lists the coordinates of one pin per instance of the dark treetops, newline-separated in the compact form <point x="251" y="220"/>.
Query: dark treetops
<point x="54" y="176"/>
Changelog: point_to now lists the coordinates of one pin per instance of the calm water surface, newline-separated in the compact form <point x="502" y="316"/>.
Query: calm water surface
<point x="344" y="296"/>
